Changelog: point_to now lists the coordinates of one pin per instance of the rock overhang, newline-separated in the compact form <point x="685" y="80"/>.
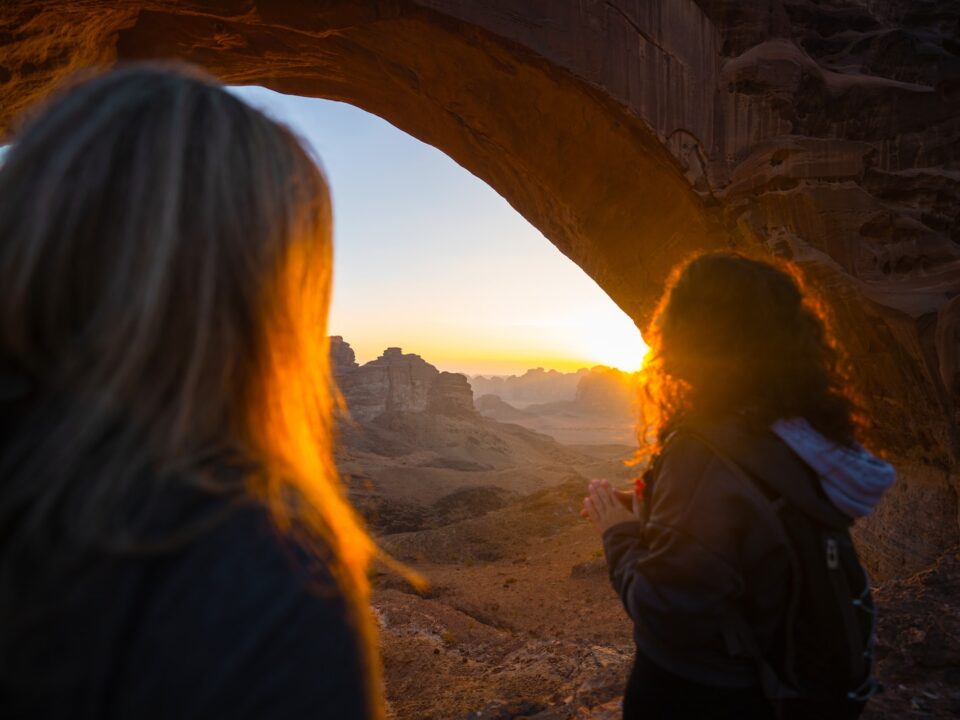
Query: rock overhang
<point x="633" y="135"/>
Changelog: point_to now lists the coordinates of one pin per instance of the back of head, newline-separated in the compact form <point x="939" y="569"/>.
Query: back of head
<point x="734" y="336"/>
<point x="164" y="283"/>
<point x="139" y="213"/>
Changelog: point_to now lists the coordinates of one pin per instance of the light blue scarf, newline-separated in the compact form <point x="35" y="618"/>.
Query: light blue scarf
<point x="852" y="478"/>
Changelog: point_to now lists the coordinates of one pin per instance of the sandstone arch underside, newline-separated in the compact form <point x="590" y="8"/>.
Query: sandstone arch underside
<point x="632" y="133"/>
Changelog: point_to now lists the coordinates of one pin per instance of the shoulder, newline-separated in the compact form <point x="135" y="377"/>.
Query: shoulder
<point x="243" y="618"/>
<point x="713" y="446"/>
<point x="692" y="473"/>
<point x="244" y="571"/>
<point x="701" y="497"/>
<point x="683" y="447"/>
<point x="684" y="461"/>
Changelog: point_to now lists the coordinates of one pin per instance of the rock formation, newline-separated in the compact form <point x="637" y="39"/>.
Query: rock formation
<point x="633" y="133"/>
<point x="342" y="358"/>
<point x="534" y="386"/>
<point x="600" y="389"/>
<point x="393" y="382"/>
<point x="606" y="390"/>
<point x="397" y="382"/>
<point x="451" y="395"/>
<point x="493" y="406"/>
<point x="417" y="454"/>
<point x="598" y="411"/>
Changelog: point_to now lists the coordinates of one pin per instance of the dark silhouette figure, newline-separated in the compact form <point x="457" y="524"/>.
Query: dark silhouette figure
<point x="736" y="564"/>
<point x="174" y="541"/>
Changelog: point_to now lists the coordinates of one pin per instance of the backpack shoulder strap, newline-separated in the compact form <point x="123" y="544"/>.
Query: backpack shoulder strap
<point x="769" y="502"/>
<point x="767" y="461"/>
<point x="739" y="637"/>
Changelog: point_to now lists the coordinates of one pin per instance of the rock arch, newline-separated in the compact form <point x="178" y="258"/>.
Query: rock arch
<point x="633" y="133"/>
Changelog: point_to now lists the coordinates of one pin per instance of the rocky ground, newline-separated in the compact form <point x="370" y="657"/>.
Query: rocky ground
<point x="919" y="643"/>
<point x="520" y="622"/>
<point x="417" y="471"/>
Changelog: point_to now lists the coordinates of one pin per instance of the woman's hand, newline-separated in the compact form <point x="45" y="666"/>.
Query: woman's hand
<point x="604" y="509"/>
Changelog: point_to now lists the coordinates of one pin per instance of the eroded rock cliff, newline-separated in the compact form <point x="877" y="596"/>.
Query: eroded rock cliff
<point x="397" y="382"/>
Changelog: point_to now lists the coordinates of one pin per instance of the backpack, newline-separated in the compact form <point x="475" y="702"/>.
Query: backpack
<point x="825" y="655"/>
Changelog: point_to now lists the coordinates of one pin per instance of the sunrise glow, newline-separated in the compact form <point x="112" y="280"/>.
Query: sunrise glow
<point x="612" y="345"/>
<point x="431" y="259"/>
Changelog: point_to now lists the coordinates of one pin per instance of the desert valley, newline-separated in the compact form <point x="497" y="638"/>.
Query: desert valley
<point x="476" y="484"/>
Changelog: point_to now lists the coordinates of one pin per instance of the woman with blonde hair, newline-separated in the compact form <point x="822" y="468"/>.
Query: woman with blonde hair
<point x="174" y="540"/>
<point x="736" y="565"/>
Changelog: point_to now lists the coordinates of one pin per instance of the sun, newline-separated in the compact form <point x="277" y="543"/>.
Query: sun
<point x="619" y="345"/>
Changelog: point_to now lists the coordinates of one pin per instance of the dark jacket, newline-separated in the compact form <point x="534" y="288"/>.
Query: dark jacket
<point x="236" y="622"/>
<point x="229" y="626"/>
<point x="702" y="551"/>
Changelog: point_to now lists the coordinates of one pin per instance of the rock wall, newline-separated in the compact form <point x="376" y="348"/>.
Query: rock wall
<point x="451" y="395"/>
<point x="633" y="132"/>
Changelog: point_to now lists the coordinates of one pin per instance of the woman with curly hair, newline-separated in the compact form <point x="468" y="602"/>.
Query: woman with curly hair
<point x="735" y="563"/>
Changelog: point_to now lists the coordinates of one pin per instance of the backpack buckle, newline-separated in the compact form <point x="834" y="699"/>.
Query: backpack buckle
<point x="833" y="554"/>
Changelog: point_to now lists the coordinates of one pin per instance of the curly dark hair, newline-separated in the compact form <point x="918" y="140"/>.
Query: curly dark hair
<point x="734" y="336"/>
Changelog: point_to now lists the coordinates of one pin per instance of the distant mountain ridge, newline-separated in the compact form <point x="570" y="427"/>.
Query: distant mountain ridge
<point x="534" y="386"/>
<point x="589" y="406"/>
<point x="601" y="410"/>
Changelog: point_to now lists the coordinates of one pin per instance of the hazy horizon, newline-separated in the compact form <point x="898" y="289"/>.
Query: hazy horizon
<point x="429" y="258"/>
<point x="481" y="374"/>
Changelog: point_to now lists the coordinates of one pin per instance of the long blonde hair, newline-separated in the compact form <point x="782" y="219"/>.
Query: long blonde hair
<point x="165" y="277"/>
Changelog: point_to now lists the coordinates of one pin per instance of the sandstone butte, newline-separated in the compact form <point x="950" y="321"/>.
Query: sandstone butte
<point x="634" y="133"/>
<point x="398" y="381"/>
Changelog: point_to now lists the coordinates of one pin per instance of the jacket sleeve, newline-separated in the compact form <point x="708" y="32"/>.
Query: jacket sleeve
<point x="678" y="574"/>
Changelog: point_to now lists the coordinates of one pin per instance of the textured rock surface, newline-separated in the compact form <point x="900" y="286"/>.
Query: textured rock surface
<point x="342" y="357"/>
<point x="397" y="382"/>
<point x="918" y="649"/>
<point x="451" y="395"/>
<point x="632" y="133"/>
<point x="393" y="382"/>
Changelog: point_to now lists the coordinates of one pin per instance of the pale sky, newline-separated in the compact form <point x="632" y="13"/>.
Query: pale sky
<point x="431" y="259"/>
